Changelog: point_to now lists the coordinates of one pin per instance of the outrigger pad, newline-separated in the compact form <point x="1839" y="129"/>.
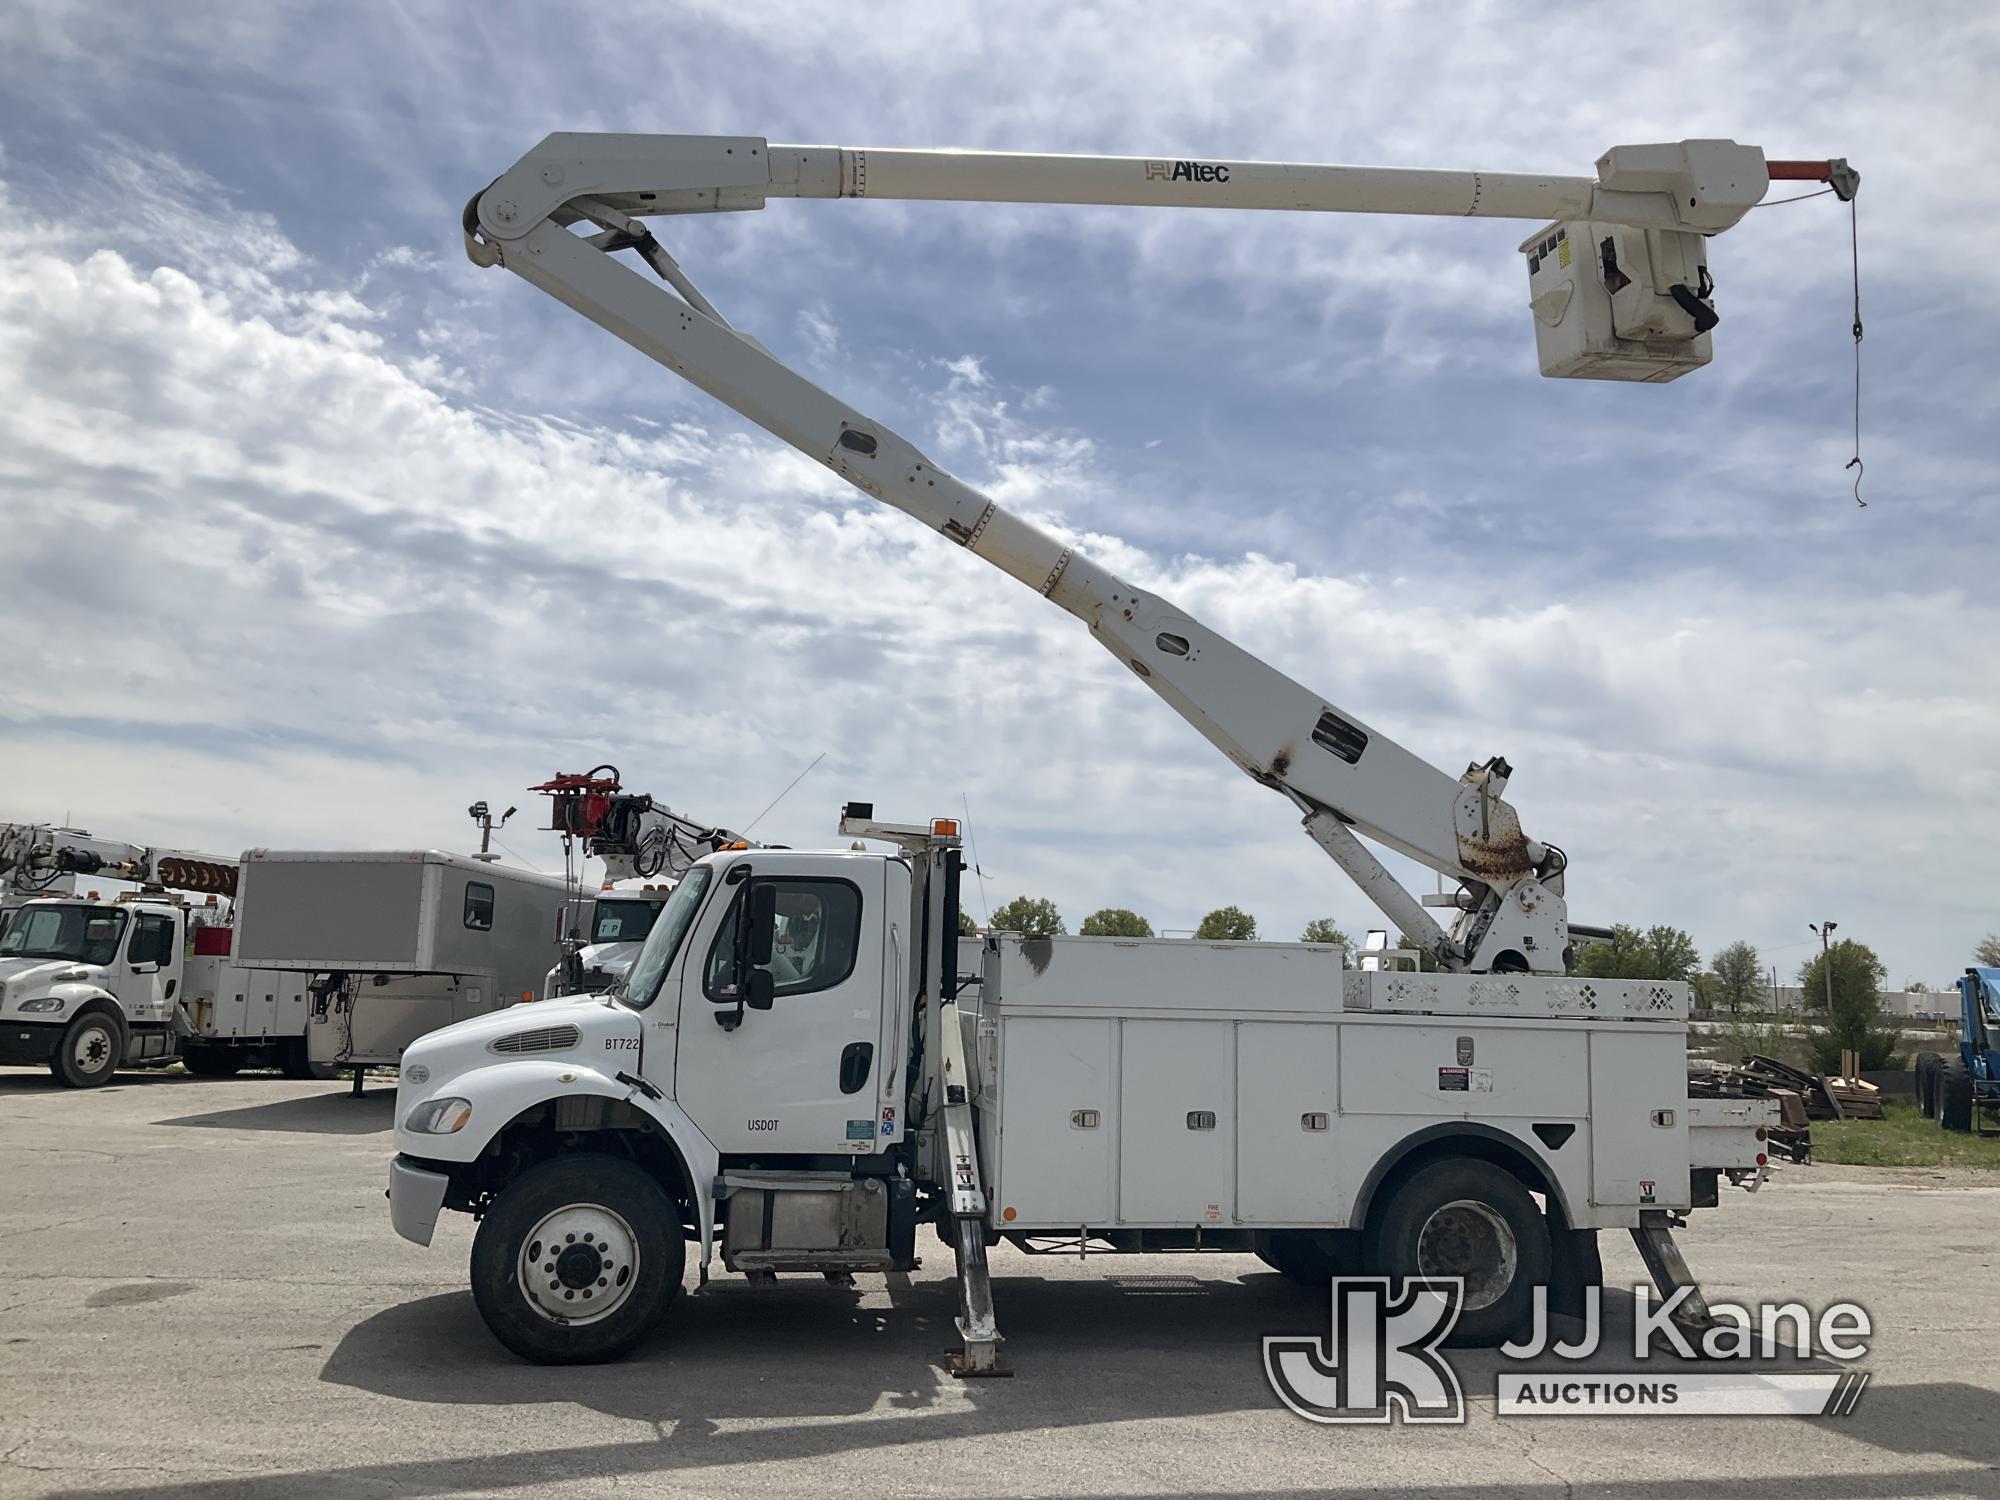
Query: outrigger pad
<point x="962" y="1366"/>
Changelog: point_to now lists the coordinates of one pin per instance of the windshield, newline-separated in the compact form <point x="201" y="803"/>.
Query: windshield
<point x="623" y="921"/>
<point x="86" y="934"/>
<point x="642" y="984"/>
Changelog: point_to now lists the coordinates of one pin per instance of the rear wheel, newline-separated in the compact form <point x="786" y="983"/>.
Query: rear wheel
<point x="206" y="1060"/>
<point x="1468" y="1219"/>
<point x="1954" y="1095"/>
<point x="577" y="1260"/>
<point x="88" y="1053"/>
<point x="1927" y="1073"/>
<point x="1306" y="1256"/>
<point x="294" y="1061"/>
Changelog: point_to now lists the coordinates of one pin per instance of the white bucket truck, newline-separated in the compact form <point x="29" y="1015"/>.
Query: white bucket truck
<point x="790" y="1076"/>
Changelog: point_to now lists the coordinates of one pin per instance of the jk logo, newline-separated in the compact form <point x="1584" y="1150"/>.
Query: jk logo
<point x="1381" y="1355"/>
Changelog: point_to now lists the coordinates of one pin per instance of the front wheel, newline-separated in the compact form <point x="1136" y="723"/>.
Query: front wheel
<point x="87" y="1055"/>
<point x="1469" y="1219"/>
<point x="577" y="1260"/>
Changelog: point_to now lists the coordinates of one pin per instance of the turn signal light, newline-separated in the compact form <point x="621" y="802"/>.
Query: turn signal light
<point x="1760" y="1133"/>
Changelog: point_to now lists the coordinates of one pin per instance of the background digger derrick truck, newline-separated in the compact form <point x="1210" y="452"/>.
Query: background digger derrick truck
<point x="639" y="839"/>
<point x="90" y="985"/>
<point x="1483" y="1121"/>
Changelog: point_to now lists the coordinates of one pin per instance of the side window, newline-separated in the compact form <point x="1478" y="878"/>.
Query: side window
<point x="152" y="941"/>
<point x="815" y="934"/>
<point x="479" y="906"/>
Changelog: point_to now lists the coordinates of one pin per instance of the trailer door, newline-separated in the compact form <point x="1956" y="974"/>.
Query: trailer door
<point x="800" y="1077"/>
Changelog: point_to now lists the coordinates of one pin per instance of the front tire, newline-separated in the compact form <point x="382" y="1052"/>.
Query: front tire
<point x="89" y="1051"/>
<point x="577" y="1260"/>
<point x="1467" y="1218"/>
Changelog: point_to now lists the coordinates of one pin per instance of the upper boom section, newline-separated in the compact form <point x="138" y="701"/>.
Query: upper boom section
<point x="33" y="856"/>
<point x="1346" y="776"/>
<point x="1704" y="186"/>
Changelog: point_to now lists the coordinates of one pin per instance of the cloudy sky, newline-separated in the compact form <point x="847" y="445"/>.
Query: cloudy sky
<point x="311" y="532"/>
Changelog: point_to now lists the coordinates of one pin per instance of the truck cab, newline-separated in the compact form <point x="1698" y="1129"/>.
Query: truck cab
<point x="87" y="986"/>
<point x="617" y="922"/>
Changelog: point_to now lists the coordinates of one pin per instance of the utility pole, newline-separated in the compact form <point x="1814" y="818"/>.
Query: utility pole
<point x="1825" y="931"/>
<point x="481" y="814"/>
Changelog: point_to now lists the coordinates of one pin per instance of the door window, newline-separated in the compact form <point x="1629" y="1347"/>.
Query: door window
<point x="479" y="906"/>
<point x="152" y="941"/>
<point x="816" y="931"/>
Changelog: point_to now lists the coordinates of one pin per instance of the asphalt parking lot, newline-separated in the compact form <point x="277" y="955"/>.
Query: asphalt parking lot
<point x="202" y="1298"/>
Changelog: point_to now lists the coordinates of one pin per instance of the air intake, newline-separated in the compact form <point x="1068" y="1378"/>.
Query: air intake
<point x="542" y="1039"/>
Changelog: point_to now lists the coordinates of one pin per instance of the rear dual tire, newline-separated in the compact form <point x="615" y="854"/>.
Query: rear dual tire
<point x="1466" y="1218"/>
<point x="1954" y="1094"/>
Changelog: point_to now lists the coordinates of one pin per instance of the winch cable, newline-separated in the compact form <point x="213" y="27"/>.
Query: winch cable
<point x="1854" y="254"/>
<point x="1854" y="246"/>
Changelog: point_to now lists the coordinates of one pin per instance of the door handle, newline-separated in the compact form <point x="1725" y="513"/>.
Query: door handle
<point x="855" y="1059"/>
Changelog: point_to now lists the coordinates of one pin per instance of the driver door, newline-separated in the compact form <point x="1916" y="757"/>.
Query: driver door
<point x="147" y="981"/>
<point x="800" y="1077"/>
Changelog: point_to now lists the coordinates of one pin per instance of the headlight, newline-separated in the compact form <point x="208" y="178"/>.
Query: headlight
<point x="43" y="1004"/>
<point x="439" y="1117"/>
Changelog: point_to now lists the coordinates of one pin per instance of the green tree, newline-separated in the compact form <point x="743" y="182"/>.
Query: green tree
<point x="1033" y="916"/>
<point x="1227" y="924"/>
<point x="1739" y="975"/>
<point x="1325" y="930"/>
<point x="966" y="928"/>
<point x="1657" y="953"/>
<point x="1116" y="921"/>
<point x="1619" y="956"/>
<point x="1856" y="1008"/>
<point x="1987" y="953"/>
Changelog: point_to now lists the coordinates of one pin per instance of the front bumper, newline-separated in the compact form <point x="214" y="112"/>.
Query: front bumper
<point x="416" y="1196"/>
<point x="29" y="1041"/>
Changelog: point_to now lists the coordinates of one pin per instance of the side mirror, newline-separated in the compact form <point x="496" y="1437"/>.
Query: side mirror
<point x="763" y="922"/>
<point x="757" y="989"/>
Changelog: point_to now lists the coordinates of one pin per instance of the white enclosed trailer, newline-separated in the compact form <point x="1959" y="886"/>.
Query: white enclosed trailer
<point x="397" y="942"/>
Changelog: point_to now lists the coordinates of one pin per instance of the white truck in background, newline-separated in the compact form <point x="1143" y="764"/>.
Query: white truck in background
<point x="792" y="1075"/>
<point x="89" y="985"/>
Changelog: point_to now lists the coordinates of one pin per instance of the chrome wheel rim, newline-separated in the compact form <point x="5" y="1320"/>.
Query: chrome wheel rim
<point x="580" y="1264"/>
<point x="1472" y="1241"/>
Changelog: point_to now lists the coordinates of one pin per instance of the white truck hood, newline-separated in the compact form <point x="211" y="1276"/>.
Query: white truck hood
<point x="33" y="973"/>
<point x="467" y="1044"/>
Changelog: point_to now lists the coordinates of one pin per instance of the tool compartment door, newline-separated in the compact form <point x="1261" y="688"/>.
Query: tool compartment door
<point x="1288" y="1144"/>
<point x="1638" y="1118"/>
<point x="1177" y="1122"/>
<point x="1058" y="1127"/>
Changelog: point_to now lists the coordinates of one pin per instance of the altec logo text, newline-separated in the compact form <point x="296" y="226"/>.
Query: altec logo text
<point x="1186" y="171"/>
